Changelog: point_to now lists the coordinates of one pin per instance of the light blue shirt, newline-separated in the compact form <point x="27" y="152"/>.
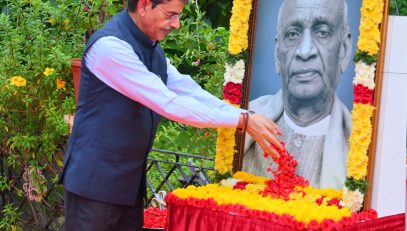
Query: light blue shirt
<point x="115" y="63"/>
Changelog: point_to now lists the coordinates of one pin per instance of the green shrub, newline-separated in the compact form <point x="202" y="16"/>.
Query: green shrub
<point x="398" y="7"/>
<point x="37" y="40"/>
<point x="200" y="51"/>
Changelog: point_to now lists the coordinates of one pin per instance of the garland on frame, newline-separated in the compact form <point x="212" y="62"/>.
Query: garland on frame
<point x="364" y="84"/>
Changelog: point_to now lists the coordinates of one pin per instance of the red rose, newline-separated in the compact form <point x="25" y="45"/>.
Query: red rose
<point x="233" y="92"/>
<point x="362" y="94"/>
<point x="232" y="98"/>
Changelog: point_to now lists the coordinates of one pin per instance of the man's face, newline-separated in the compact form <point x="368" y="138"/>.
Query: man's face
<point x="162" y="19"/>
<point x="311" y="48"/>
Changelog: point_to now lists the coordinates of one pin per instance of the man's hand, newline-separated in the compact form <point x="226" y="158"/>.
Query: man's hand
<point x="263" y="131"/>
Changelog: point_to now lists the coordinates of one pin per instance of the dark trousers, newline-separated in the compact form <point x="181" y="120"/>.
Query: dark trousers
<point x="82" y="214"/>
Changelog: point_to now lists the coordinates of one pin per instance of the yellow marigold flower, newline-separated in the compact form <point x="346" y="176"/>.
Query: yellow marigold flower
<point x="66" y="24"/>
<point x="255" y="188"/>
<point x="327" y="192"/>
<point x="48" y="71"/>
<point x="359" y="140"/>
<point x="225" y="148"/>
<point x="239" y="24"/>
<point x="18" y="81"/>
<point x="51" y="20"/>
<point x="247" y="177"/>
<point x="60" y="84"/>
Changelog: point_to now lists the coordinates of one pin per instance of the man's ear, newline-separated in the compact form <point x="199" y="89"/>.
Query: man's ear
<point x="142" y="6"/>
<point x="276" y="59"/>
<point x="345" y="51"/>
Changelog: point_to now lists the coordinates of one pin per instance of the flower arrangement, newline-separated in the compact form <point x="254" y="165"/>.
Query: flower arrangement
<point x="234" y="75"/>
<point x="314" y="209"/>
<point x="360" y="138"/>
<point x="365" y="58"/>
<point x="286" y="199"/>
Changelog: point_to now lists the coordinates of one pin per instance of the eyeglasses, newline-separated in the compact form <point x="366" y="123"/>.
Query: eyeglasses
<point x="171" y="17"/>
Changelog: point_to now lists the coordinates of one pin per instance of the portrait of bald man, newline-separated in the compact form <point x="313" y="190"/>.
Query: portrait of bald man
<point x="313" y="49"/>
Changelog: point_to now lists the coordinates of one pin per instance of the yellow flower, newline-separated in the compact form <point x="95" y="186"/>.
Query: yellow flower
<point x="60" y="84"/>
<point x="250" y="178"/>
<point x="48" y="71"/>
<point x="225" y="150"/>
<point x="18" y="81"/>
<point x="359" y="141"/>
<point x="66" y="24"/>
<point x="371" y="17"/>
<point x="239" y="26"/>
<point x="51" y="20"/>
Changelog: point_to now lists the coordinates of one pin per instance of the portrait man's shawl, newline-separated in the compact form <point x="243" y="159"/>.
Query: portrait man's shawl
<point x="336" y="145"/>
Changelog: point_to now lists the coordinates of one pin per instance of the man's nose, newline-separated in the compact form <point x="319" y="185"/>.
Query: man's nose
<point x="175" y="24"/>
<point x="306" y="49"/>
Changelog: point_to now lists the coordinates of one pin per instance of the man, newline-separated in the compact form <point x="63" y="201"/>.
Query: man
<point x="126" y="81"/>
<point x="313" y="48"/>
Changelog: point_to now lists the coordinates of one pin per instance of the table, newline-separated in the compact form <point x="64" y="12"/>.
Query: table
<point x="190" y="218"/>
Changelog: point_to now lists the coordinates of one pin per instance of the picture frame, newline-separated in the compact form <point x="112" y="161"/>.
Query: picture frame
<point x="247" y="86"/>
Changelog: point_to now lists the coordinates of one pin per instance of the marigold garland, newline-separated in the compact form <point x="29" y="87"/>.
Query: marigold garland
<point x="225" y="150"/>
<point x="360" y="138"/>
<point x="366" y="58"/>
<point x="239" y="26"/>
<point x="252" y="179"/>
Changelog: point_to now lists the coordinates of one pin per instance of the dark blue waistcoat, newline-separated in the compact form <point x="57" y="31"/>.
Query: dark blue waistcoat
<point x="106" y="155"/>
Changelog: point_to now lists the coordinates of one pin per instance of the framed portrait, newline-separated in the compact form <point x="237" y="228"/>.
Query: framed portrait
<point x="300" y="73"/>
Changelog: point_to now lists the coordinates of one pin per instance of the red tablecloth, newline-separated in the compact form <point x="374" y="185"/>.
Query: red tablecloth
<point x="189" y="218"/>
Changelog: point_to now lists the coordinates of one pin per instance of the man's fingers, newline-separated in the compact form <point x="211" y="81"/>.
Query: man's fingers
<point x="275" y="143"/>
<point x="274" y="154"/>
<point x="269" y="148"/>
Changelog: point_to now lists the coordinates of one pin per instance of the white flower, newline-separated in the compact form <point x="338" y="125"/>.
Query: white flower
<point x="365" y="75"/>
<point x="229" y="182"/>
<point x="352" y="200"/>
<point x="234" y="73"/>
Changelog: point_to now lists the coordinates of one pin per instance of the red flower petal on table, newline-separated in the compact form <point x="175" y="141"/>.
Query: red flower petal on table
<point x="313" y="225"/>
<point x="328" y="225"/>
<point x="334" y="201"/>
<point x="319" y="200"/>
<point x="240" y="185"/>
<point x="285" y="178"/>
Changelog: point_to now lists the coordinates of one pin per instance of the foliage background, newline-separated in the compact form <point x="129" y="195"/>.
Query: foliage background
<point x="39" y="34"/>
<point x="398" y="7"/>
